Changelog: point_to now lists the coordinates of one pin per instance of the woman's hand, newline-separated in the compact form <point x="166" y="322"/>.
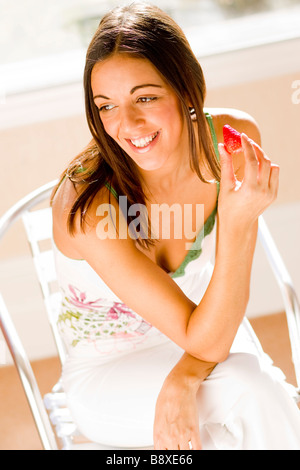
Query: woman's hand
<point x="240" y="203"/>
<point x="176" y="424"/>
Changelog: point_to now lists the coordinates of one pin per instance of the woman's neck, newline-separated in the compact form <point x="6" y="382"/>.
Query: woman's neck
<point x="166" y="180"/>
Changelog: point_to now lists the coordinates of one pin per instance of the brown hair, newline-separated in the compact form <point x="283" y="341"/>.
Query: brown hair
<point x="144" y="31"/>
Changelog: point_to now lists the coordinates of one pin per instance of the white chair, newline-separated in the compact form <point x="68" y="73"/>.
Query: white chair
<point x="51" y="415"/>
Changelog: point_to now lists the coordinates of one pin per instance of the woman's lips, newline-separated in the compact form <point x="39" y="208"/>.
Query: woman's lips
<point x="144" y="144"/>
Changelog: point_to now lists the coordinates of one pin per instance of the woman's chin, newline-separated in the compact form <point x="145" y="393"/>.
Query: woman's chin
<point x="149" y="165"/>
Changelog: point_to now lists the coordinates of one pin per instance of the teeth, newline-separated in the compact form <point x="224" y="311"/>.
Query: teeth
<point x="140" y="143"/>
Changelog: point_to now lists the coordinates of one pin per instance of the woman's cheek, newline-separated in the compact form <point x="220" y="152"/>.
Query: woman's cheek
<point x="109" y="128"/>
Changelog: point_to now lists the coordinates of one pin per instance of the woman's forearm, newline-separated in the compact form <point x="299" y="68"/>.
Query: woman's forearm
<point x="224" y="303"/>
<point x="190" y="372"/>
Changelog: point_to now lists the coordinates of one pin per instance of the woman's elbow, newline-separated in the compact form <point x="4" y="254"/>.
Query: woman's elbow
<point x="215" y="355"/>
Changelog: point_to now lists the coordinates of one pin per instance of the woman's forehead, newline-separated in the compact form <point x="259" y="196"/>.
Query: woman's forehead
<point x="123" y="68"/>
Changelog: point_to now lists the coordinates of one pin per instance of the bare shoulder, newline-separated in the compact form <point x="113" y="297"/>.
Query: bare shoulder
<point x="239" y="120"/>
<point x="62" y="204"/>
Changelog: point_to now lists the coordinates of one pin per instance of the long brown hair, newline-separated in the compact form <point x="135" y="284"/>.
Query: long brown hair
<point x="145" y="31"/>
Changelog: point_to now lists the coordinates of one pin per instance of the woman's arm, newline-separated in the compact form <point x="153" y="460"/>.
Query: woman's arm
<point x="176" y="424"/>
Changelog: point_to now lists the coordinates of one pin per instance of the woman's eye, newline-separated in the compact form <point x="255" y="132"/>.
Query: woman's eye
<point x="106" y="107"/>
<point x="147" y="99"/>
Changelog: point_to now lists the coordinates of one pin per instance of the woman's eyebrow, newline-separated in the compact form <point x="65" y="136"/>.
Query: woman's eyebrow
<point x="144" y="86"/>
<point x="100" y="96"/>
<point x="131" y="91"/>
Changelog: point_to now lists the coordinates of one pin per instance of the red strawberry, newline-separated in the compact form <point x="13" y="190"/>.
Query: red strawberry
<point x="232" y="139"/>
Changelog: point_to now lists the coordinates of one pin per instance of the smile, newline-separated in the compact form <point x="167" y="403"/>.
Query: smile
<point x="143" y="143"/>
<point x="140" y="143"/>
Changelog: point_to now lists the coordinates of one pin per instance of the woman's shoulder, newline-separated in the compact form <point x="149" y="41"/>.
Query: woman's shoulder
<point x="63" y="203"/>
<point x="239" y="120"/>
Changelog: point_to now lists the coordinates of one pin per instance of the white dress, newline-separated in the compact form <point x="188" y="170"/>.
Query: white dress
<point x="117" y="363"/>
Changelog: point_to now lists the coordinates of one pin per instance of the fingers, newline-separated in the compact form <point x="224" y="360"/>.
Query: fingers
<point x="192" y="443"/>
<point x="268" y="173"/>
<point x="264" y="164"/>
<point x="274" y="179"/>
<point x="251" y="161"/>
<point x="196" y="443"/>
<point x="227" y="173"/>
<point x="258" y="167"/>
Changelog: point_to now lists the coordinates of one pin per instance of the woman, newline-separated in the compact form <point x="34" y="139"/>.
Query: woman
<point x="159" y="352"/>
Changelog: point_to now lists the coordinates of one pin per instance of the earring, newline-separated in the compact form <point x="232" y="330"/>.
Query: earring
<point x="193" y="114"/>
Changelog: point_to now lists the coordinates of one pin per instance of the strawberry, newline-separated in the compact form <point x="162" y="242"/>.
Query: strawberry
<point x="232" y="139"/>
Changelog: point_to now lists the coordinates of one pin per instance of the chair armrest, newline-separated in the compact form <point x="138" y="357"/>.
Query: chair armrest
<point x="288" y="292"/>
<point x="27" y="378"/>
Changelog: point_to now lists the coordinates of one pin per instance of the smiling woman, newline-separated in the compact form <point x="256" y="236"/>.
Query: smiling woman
<point x="159" y="64"/>
<point x="143" y="113"/>
<point x="159" y="351"/>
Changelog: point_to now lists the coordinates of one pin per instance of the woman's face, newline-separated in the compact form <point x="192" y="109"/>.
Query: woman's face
<point x="140" y="111"/>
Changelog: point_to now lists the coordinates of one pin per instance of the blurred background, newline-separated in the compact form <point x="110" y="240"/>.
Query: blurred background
<point x="250" y="54"/>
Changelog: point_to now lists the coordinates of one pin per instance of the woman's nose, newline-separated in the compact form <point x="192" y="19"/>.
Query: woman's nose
<point x="130" y="121"/>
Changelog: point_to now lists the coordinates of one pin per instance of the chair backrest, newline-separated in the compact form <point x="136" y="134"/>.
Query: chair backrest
<point x="38" y="226"/>
<point x="288" y="292"/>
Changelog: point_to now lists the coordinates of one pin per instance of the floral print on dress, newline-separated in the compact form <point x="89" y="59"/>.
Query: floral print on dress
<point x="110" y="326"/>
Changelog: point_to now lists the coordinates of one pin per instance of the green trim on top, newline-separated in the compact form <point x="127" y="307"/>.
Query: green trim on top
<point x="112" y="190"/>
<point x="107" y="184"/>
<point x="80" y="169"/>
<point x="213" y="134"/>
<point x="196" y="248"/>
<point x="215" y="141"/>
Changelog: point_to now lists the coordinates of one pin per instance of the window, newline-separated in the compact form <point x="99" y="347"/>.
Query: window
<point x="43" y="42"/>
<point x="36" y="28"/>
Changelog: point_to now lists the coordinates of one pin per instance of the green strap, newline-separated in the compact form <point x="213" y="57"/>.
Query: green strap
<point x="213" y="134"/>
<point x="196" y="249"/>
<point x="81" y="169"/>
<point x="112" y="190"/>
<point x="215" y="141"/>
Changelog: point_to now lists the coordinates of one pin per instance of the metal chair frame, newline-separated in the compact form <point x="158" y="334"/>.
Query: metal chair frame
<point x="52" y="418"/>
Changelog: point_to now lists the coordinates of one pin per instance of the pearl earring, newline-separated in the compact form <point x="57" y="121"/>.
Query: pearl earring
<point x="193" y="114"/>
